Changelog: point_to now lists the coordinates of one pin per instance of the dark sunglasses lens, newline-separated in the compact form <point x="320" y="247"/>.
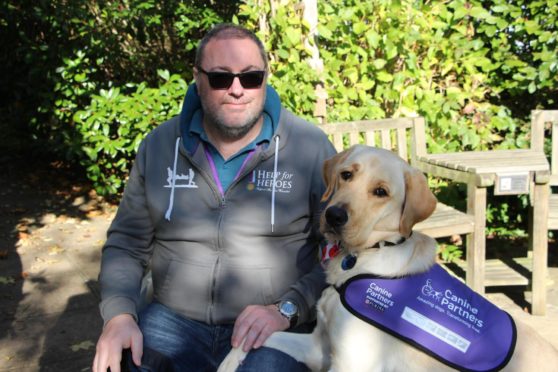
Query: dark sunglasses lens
<point x="223" y="80"/>
<point x="251" y="79"/>
<point x="220" y="80"/>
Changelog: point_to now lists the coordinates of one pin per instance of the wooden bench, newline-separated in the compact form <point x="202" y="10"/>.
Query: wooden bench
<point x="538" y="120"/>
<point x="511" y="172"/>
<point x="395" y="135"/>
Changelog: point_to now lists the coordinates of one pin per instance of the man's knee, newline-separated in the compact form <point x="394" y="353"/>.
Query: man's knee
<point x="151" y="361"/>
<point x="267" y="359"/>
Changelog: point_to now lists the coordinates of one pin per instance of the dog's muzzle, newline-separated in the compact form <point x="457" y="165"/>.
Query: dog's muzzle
<point x="336" y="217"/>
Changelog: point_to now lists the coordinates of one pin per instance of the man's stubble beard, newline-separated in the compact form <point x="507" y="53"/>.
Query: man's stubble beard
<point x="219" y="123"/>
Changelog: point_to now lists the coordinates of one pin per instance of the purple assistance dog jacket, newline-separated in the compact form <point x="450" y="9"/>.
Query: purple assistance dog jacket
<point x="437" y="314"/>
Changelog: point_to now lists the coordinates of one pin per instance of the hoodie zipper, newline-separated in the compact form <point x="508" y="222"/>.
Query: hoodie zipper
<point x="223" y="205"/>
<point x="220" y="196"/>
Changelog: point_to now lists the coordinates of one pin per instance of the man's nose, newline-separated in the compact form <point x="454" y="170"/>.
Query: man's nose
<point x="236" y="89"/>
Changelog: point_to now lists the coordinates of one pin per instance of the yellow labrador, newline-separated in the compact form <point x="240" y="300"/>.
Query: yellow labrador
<point x="376" y="199"/>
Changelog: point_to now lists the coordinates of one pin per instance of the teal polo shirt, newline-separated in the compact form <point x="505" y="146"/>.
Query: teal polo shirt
<point x="228" y="169"/>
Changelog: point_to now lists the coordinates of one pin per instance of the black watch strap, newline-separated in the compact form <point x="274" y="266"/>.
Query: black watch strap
<point x="289" y="310"/>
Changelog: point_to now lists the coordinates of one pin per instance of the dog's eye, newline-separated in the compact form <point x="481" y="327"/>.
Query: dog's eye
<point x="380" y="192"/>
<point x="346" y="175"/>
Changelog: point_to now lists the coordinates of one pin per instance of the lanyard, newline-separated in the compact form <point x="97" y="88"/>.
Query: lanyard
<point x="215" y="173"/>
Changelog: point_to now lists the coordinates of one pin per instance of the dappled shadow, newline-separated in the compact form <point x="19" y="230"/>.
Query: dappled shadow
<point x="70" y="341"/>
<point x="511" y="251"/>
<point x="35" y="193"/>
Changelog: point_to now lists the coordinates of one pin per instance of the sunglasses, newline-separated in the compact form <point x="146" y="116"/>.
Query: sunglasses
<point x="224" y="80"/>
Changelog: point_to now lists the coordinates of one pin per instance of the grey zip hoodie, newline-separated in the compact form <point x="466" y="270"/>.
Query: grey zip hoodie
<point x="213" y="254"/>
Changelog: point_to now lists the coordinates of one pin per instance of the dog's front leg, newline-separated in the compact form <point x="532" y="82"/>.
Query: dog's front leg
<point x="233" y="359"/>
<point x="305" y="348"/>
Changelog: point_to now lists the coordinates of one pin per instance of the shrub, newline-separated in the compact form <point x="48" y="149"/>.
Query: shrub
<point x="112" y="126"/>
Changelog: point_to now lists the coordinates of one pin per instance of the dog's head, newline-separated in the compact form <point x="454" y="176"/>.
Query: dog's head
<point x="375" y="196"/>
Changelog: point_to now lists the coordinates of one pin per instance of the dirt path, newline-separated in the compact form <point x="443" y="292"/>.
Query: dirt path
<point x="53" y="227"/>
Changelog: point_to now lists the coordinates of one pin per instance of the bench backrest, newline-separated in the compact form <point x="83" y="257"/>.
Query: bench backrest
<point x="391" y="134"/>
<point x="538" y="120"/>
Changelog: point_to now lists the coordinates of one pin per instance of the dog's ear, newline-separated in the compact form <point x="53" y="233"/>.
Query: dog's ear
<point x="329" y="171"/>
<point x="419" y="201"/>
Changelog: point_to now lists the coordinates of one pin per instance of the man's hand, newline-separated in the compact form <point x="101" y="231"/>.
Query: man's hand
<point x="121" y="332"/>
<point x="256" y="323"/>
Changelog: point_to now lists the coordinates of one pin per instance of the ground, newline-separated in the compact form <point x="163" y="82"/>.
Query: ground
<point x="53" y="227"/>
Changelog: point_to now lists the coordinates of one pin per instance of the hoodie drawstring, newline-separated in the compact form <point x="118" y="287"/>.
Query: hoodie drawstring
<point x="173" y="182"/>
<point x="274" y="180"/>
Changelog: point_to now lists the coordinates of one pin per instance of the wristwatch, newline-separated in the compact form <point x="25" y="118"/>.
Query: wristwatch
<point x="289" y="310"/>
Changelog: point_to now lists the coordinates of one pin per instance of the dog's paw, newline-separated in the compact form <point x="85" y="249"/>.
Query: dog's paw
<point x="233" y="360"/>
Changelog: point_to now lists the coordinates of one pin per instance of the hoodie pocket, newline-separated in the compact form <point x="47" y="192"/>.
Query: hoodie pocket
<point x="237" y="288"/>
<point x="185" y="287"/>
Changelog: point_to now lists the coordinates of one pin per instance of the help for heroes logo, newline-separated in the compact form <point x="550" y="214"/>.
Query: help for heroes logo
<point x="262" y="180"/>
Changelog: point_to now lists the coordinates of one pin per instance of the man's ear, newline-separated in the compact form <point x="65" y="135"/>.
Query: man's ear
<point x="196" y="75"/>
<point x="329" y="172"/>
<point x="419" y="201"/>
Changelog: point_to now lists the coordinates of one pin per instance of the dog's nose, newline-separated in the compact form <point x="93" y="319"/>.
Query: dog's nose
<point x="336" y="216"/>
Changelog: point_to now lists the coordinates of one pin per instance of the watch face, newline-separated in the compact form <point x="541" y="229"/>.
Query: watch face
<point x="288" y="308"/>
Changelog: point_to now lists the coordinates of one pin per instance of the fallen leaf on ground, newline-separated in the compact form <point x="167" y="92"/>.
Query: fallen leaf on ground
<point x="39" y="259"/>
<point x="54" y="250"/>
<point x="6" y="280"/>
<point x="84" y="345"/>
<point x="93" y="213"/>
<point x="22" y="227"/>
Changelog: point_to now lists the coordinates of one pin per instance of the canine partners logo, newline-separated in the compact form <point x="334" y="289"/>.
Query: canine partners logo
<point x="181" y="180"/>
<point x="454" y="303"/>
<point x="262" y="180"/>
<point x="429" y="291"/>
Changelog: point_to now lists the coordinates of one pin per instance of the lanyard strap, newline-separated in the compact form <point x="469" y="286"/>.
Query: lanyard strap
<point x="214" y="171"/>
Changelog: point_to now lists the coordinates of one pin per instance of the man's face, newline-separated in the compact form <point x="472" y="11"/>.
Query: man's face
<point x="233" y="111"/>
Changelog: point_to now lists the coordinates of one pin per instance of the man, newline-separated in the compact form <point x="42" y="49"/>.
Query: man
<point x="224" y="203"/>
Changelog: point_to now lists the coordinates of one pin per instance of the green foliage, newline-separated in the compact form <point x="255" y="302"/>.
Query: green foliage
<point x="64" y="56"/>
<point x="449" y="252"/>
<point x="113" y="125"/>
<point x="474" y="68"/>
<point x="61" y="52"/>
<point x="284" y="38"/>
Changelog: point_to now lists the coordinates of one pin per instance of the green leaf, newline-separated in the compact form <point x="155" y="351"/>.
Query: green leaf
<point x="531" y="27"/>
<point x="372" y="38"/>
<point x="379" y="63"/>
<point x="359" y="27"/>
<point x="294" y="35"/>
<point x="384" y="76"/>
<point x="164" y="74"/>
<point x="282" y="53"/>
<point x="323" y="31"/>
<point x="532" y="87"/>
